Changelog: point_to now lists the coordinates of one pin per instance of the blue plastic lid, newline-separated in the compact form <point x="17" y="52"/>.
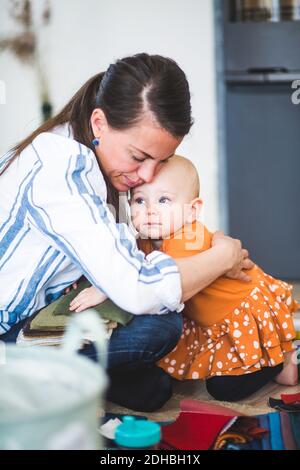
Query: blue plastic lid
<point x="137" y="433"/>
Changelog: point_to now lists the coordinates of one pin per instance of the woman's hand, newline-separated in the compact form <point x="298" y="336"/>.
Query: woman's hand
<point x="226" y="257"/>
<point x="238" y="258"/>
<point x="87" y="298"/>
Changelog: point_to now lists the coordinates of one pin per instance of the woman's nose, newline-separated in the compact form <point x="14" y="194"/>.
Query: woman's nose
<point x="146" y="171"/>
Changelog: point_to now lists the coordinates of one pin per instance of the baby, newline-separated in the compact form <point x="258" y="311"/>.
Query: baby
<point x="230" y="327"/>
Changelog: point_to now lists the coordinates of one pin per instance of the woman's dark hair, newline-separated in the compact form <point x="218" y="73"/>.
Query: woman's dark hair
<point x="130" y="87"/>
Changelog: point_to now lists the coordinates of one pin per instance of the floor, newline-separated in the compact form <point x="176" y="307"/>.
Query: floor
<point x="255" y="404"/>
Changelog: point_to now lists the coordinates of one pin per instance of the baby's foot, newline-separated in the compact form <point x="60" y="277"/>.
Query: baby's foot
<point x="289" y="373"/>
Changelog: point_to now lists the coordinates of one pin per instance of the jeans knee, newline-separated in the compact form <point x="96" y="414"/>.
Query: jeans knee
<point x="174" y="331"/>
<point x="145" y="340"/>
<point x="167" y="332"/>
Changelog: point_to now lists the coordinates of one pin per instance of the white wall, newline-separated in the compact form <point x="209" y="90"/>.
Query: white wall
<point x="86" y="35"/>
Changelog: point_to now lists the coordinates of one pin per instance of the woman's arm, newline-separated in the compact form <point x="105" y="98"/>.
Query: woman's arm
<point x="226" y="257"/>
<point x="66" y="205"/>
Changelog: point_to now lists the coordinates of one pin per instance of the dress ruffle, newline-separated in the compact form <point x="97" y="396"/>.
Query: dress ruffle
<point x="255" y="334"/>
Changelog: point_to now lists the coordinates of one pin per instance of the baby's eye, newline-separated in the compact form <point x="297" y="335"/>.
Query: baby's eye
<point x="164" y="200"/>
<point x="139" y="200"/>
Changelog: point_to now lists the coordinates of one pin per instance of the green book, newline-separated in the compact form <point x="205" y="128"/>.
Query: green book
<point x="55" y="316"/>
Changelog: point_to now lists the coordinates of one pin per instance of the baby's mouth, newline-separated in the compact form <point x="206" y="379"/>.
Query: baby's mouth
<point x="153" y="224"/>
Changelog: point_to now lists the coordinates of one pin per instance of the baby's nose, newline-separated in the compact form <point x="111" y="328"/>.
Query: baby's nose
<point x="152" y="209"/>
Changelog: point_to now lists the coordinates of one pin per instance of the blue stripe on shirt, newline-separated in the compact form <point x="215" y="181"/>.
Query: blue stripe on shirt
<point x="33" y="286"/>
<point x="18" y="219"/>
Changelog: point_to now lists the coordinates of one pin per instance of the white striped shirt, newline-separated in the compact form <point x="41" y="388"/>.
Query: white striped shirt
<point x="55" y="226"/>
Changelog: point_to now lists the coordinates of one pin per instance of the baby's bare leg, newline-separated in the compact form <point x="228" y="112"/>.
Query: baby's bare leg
<point x="289" y="373"/>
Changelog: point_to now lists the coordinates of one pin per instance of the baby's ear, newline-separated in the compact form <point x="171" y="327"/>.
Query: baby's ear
<point x="196" y="205"/>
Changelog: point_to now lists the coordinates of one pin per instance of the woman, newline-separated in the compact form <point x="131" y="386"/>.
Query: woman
<point x="114" y="134"/>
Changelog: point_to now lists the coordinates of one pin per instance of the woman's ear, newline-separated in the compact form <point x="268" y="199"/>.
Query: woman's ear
<point x="98" y="122"/>
<point x="195" y="209"/>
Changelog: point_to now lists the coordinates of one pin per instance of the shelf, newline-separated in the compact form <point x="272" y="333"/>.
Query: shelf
<point x="262" y="45"/>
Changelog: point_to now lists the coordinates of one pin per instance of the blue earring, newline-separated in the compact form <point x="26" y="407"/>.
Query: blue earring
<point x="95" y="142"/>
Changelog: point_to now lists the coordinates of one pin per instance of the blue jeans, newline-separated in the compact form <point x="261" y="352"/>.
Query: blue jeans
<point x="135" y="381"/>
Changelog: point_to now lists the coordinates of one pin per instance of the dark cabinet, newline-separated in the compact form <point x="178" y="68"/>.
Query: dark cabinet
<point x="262" y="141"/>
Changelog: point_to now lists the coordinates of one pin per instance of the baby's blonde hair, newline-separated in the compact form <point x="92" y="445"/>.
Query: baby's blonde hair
<point x="188" y="172"/>
<point x="191" y="173"/>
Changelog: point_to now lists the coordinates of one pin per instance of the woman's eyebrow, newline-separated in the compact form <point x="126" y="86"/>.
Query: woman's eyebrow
<point x="149" y="156"/>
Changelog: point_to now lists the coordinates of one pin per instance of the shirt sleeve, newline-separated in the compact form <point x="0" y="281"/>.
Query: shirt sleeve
<point x="66" y="204"/>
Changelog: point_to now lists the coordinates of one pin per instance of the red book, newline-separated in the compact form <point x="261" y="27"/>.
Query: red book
<point x="194" y="431"/>
<point x="290" y="398"/>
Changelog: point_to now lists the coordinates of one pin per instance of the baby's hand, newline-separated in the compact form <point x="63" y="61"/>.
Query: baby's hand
<point x="68" y="289"/>
<point x="87" y="298"/>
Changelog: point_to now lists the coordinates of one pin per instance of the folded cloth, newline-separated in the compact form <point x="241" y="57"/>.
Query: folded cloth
<point x="249" y="426"/>
<point x="245" y="429"/>
<point x="275" y="432"/>
<point x="256" y="444"/>
<point x="27" y="337"/>
<point x="295" y="425"/>
<point x="194" y="431"/>
<point x="107" y="309"/>
<point x="290" y="398"/>
<point x="279" y="405"/>
<point x="286" y="431"/>
<point x="197" y="406"/>
<point x="55" y="316"/>
<point x="33" y="333"/>
<point x="264" y="423"/>
<point x="46" y="321"/>
<point x="50" y="340"/>
<point x="28" y="332"/>
<point x="204" y="425"/>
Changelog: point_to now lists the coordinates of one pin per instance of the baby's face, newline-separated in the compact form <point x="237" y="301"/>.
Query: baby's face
<point x="160" y="208"/>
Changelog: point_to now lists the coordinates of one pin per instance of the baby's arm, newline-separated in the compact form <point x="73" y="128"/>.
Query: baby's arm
<point x="87" y="298"/>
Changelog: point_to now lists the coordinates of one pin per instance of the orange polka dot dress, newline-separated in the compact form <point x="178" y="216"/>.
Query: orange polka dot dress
<point x="230" y="327"/>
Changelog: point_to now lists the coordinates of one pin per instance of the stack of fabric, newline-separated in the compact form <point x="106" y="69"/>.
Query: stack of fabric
<point x="287" y="431"/>
<point x="204" y="426"/>
<point x="47" y="327"/>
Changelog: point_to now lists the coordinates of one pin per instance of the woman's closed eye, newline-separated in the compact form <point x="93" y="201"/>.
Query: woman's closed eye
<point x="141" y="160"/>
<point x="137" y="159"/>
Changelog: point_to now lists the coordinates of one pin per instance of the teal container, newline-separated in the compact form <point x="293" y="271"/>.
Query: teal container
<point x="137" y="434"/>
<point x="50" y="397"/>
